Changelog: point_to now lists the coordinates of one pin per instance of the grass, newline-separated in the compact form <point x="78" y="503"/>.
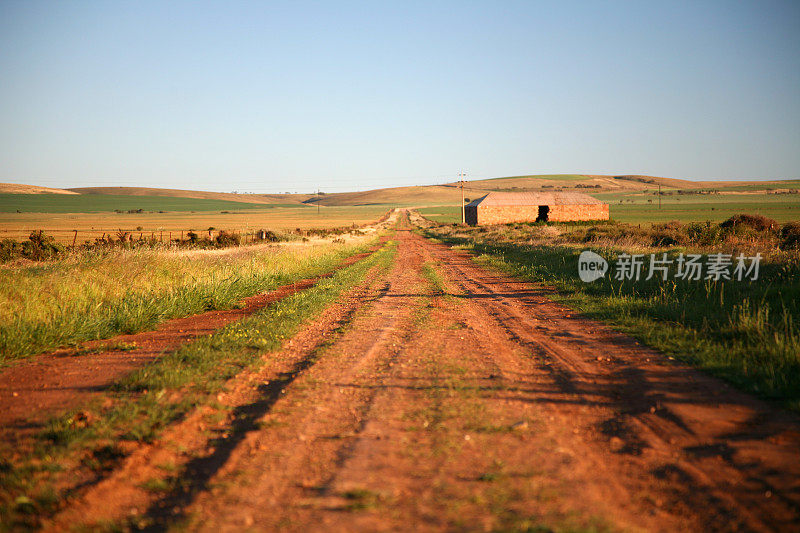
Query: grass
<point x="151" y="398"/>
<point x="747" y="332"/>
<point x="635" y="208"/>
<point x="642" y="208"/>
<point x="254" y="217"/>
<point x="94" y="296"/>
<point x="95" y="203"/>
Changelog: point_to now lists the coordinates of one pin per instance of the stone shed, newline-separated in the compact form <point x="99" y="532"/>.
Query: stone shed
<point x="505" y="207"/>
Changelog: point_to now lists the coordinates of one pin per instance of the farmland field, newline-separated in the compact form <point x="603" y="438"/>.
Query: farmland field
<point x="247" y="220"/>
<point x="96" y="203"/>
<point x="642" y="208"/>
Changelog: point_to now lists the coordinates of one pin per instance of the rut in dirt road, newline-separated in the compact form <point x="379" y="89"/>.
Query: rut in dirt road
<point x="458" y="398"/>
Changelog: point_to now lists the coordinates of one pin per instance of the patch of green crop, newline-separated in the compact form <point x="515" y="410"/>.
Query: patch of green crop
<point x="96" y="203"/>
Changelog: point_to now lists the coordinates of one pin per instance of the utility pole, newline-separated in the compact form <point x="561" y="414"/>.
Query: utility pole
<point x="461" y="179"/>
<point x="318" y="200"/>
<point x="659" y="196"/>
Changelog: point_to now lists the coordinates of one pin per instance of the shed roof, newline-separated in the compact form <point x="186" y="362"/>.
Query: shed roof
<point x="536" y="198"/>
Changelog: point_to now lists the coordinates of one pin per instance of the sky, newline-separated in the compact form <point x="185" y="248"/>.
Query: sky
<point x="300" y="96"/>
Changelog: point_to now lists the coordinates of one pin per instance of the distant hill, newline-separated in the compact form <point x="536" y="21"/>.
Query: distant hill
<point x="416" y="195"/>
<point x="610" y="183"/>
<point x="432" y="195"/>
<point x="17" y="188"/>
<point x="450" y="193"/>
<point x="202" y="195"/>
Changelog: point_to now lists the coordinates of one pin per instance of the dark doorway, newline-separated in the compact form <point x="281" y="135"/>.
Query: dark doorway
<point x="544" y="211"/>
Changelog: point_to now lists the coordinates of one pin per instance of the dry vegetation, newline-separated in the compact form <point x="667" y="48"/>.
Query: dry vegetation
<point x="96" y="293"/>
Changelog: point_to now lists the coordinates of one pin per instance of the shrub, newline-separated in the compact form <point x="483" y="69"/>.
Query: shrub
<point x="790" y="235"/>
<point x="227" y="239"/>
<point x="756" y="222"/>
<point x="41" y="246"/>
<point x="704" y="233"/>
<point x="38" y="247"/>
<point x="669" y="234"/>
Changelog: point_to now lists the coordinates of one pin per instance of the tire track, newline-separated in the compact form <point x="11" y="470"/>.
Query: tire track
<point x="667" y="412"/>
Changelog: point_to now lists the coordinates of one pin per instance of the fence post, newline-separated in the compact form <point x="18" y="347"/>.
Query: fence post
<point x="75" y="238"/>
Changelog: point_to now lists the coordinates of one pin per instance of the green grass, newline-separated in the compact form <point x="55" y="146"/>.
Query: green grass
<point x="635" y="208"/>
<point x="747" y="332"/>
<point x="95" y="203"/>
<point x="444" y="214"/>
<point x="94" y="296"/>
<point x="643" y="208"/>
<point x="150" y="399"/>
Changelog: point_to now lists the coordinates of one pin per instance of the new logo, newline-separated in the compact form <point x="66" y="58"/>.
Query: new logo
<point x="591" y="266"/>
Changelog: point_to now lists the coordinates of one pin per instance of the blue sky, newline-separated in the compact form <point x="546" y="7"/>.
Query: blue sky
<point x="258" y="96"/>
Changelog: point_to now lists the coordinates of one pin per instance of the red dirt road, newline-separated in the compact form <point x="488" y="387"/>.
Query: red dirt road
<point x="448" y="397"/>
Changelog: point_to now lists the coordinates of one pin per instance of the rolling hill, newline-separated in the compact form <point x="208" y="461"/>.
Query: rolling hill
<point x="430" y="195"/>
<point x="18" y="188"/>
<point x="201" y="195"/>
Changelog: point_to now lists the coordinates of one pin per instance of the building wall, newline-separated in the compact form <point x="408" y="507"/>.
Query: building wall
<point x="564" y="213"/>
<point x="504" y="214"/>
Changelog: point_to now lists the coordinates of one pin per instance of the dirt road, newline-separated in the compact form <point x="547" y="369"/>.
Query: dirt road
<point x="446" y="397"/>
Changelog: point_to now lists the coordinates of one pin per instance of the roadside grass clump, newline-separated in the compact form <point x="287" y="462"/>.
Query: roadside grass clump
<point x="747" y="332"/>
<point x="434" y="279"/>
<point x="89" y="296"/>
<point x="754" y="222"/>
<point x="38" y="247"/>
<point x="790" y="235"/>
<point x="153" y="397"/>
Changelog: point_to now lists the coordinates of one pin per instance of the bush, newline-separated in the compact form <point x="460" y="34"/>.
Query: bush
<point x="755" y="222"/>
<point x="227" y="239"/>
<point x="38" y="247"/>
<point x="790" y="235"/>
<point x="669" y="234"/>
<point x="704" y="233"/>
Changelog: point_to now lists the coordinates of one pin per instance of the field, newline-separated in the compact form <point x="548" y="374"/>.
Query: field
<point x="642" y="208"/>
<point x="97" y="203"/>
<point x="245" y="221"/>
<point x="416" y="374"/>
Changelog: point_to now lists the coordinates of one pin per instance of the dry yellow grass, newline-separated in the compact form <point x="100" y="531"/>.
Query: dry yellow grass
<point x="206" y="195"/>
<point x="92" y="225"/>
<point x="19" y="188"/>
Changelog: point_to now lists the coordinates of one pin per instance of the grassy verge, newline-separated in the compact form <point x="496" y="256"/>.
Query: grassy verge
<point x="747" y="332"/>
<point x="147" y="401"/>
<point x="94" y="296"/>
